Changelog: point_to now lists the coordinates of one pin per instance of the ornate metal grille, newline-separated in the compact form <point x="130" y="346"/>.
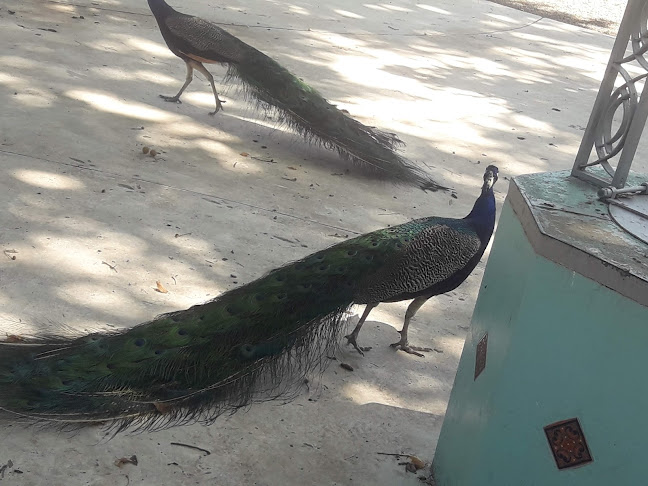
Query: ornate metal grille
<point x="609" y="138"/>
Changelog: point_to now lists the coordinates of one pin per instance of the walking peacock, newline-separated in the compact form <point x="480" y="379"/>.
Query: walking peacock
<point x="252" y="343"/>
<point x="197" y="41"/>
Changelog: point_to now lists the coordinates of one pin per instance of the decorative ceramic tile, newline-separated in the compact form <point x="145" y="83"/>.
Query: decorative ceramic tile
<point x="480" y="359"/>
<point x="568" y="444"/>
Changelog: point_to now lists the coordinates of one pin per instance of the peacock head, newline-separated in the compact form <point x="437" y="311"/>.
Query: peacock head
<point x="490" y="178"/>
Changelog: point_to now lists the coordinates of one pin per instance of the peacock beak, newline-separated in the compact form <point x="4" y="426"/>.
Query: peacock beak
<point x="490" y="177"/>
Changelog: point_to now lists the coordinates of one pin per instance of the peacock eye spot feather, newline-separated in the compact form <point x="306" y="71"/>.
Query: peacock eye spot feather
<point x="323" y="267"/>
<point x="247" y="351"/>
<point x="352" y="252"/>
<point x="319" y="258"/>
<point x="182" y="332"/>
<point x="139" y="342"/>
<point x="374" y="243"/>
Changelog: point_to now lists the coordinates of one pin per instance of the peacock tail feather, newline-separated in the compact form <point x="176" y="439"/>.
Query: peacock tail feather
<point x="306" y="111"/>
<point x="252" y="343"/>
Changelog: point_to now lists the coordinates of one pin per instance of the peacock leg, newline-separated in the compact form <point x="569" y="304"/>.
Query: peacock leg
<point x="188" y="79"/>
<point x="201" y="69"/>
<point x="351" y="338"/>
<point x="403" y="345"/>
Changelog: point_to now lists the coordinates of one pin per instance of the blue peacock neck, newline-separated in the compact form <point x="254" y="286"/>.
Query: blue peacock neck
<point x="160" y="8"/>
<point x="483" y="213"/>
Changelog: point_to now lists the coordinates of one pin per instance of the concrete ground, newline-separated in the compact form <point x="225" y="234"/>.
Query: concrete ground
<point x="93" y="223"/>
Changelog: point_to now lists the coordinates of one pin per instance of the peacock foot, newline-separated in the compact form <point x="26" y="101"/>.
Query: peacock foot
<point x="219" y="107"/>
<point x="404" y="346"/>
<point x="171" y="99"/>
<point x="351" y="339"/>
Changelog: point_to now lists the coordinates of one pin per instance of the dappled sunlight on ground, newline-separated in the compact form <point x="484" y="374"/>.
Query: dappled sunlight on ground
<point x="48" y="180"/>
<point x="149" y="47"/>
<point x="106" y="102"/>
<point x="95" y="222"/>
<point x="366" y="393"/>
<point x="433" y="9"/>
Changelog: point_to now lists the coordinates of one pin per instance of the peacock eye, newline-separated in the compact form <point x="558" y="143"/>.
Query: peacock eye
<point x="139" y="342"/>
<point x="182" y="332"/>
<point x="352" y="253"/>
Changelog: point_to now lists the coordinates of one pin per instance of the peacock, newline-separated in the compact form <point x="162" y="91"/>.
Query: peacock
<point x="252" y="343"/>
<point x="298" y="105"/>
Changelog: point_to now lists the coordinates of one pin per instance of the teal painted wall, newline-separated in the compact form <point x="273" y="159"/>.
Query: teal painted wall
<point x="559" y="346"/>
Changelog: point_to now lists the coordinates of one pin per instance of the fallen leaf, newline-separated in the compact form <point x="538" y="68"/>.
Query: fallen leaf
<point x="347" y="367"/>
<point x="13" y="338"/>
<point x="162" y="407"/>
<point x="160" y="288"/>
<point x="416" y="462"/>
<point x="126" y="460"/>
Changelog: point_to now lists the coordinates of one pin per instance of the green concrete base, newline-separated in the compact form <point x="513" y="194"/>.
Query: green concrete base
<point x="560" y="346"/>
